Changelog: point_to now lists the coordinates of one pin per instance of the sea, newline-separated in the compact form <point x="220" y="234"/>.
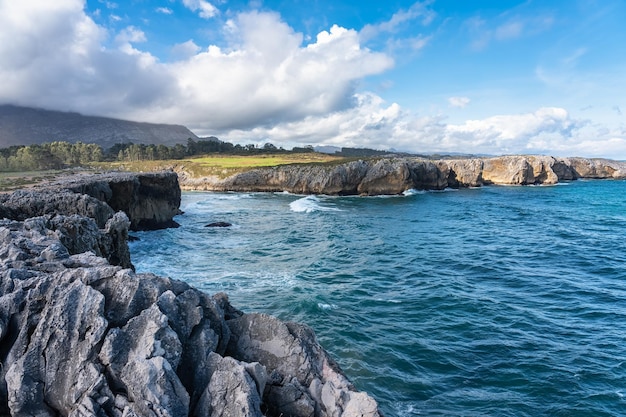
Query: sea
<point x="492" y="301"/>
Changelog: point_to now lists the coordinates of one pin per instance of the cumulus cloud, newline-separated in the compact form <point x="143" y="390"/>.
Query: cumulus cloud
<point x="266" y="76"/>
<point x="185" y="50"/>
<point x="131" y="34"/>
<point x="205" y="9"/>
<point x="376" y="124"/>
<point x="263" y="75"/>
<point x="458" y="101"/>
<point x="164" y="10"/>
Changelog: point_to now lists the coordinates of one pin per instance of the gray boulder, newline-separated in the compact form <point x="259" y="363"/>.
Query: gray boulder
<point x="303" y="380"/>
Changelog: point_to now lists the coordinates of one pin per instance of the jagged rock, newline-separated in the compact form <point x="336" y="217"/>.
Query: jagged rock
<point x="235" y="388"/>
<point x="70" y="235"/>
<point x="386" y="176"/>
<point x="596" y="168"/>
<point x="304" y="381"/>
<point x="464" y="172"/>
<point x="519" y="170"/>
<point x="150" y="200"/>
<point x="426" y="175"/>
<point x="80" y="337"/>
<point x="23" y="204"/>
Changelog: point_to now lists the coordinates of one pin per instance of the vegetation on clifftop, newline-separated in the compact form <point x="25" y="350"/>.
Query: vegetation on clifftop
<point x="220" y="166"/>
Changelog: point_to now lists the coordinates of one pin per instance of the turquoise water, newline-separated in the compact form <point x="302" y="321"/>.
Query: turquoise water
<point x="498" y="301"/>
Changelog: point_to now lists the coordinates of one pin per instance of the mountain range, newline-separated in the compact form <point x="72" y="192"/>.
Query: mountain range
<point x="28" y="126"/>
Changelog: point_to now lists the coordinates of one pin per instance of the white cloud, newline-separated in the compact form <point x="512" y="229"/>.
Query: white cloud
<point x="267" y="76"/>
<point x="164" y="10"/>
<point x="185" y="50"/>
<point x="373" y="123"/>
<point x="131" y="34"/>
<point x="205" y="9"/>
<point x="417" y="10"/>
<point x="459" y="101"/>
<point x="264" y="75"/>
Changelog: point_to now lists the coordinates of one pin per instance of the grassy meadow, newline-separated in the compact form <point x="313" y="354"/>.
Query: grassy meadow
<point x="217" y="165"/>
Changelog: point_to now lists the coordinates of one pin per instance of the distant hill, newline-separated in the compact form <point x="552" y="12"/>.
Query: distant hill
<point x="28" y="126"/>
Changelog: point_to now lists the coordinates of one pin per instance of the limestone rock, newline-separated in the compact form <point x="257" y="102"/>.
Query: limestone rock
<point x="522" y="170"/>
<point x="303" y="380"/>
<point x="387" y="176"/>
<point x="396" y="175"/>
<point x="150" y="200"/>
<point x="81" y="337"/>
<point x="23" y="204"/>
<point x="464" y="172"/>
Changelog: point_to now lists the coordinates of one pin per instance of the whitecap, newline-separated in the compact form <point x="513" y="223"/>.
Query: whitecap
<point x="309" y="204"/>
<point x="412" y="191"/>
<point x="324" y="306"/>
<point x="389" y="300"/>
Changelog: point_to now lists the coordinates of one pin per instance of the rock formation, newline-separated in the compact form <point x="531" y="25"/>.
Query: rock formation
<point x="81" y="334"/>
<point x="150" y="200"/>
<point x="396" y="175"/>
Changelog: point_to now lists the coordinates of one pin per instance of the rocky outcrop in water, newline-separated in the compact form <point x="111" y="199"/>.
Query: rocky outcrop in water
<point x="396" y="175"/>
<point x="81" y="337"/>
<point x="150" y="200"/>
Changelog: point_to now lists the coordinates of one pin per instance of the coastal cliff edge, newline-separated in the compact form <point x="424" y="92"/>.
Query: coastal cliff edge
<point x="397" y="175"/>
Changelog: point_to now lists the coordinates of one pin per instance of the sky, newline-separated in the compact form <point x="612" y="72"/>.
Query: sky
<point x="433" y="76"/>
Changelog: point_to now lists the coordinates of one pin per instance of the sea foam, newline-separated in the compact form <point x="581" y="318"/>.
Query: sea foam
<point x="310" y="204"/>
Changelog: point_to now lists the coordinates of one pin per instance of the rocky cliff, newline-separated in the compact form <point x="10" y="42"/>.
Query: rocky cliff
<point x="150" y="200"/>
<point x="396" y="175"/>
<point x="83" y="335"/>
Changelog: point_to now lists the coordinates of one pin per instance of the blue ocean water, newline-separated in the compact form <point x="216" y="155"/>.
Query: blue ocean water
<point x="497" y="301"/>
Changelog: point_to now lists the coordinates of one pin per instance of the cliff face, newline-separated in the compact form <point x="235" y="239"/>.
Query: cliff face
<point x="150" y="200"/>
<point x="396" y="175"/>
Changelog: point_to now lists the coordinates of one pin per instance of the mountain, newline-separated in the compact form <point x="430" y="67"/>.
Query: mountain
<point x="27" y="126"/>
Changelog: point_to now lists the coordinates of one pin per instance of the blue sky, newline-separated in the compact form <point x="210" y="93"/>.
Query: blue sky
<point x="489" y="77"/>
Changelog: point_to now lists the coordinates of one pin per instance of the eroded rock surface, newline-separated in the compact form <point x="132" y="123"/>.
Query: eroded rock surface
<point x="150" y="200"/>
<point x="81" y="337"/>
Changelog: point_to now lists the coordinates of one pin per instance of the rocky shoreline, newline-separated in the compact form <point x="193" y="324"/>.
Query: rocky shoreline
<point x="82" y="334"/>
<point x="397" y="175"/>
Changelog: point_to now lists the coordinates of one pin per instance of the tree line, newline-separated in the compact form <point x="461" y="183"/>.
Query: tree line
<point x="59" y="155"/>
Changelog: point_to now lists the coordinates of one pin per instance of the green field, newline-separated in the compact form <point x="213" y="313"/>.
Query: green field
<point x="220" y="165"/>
